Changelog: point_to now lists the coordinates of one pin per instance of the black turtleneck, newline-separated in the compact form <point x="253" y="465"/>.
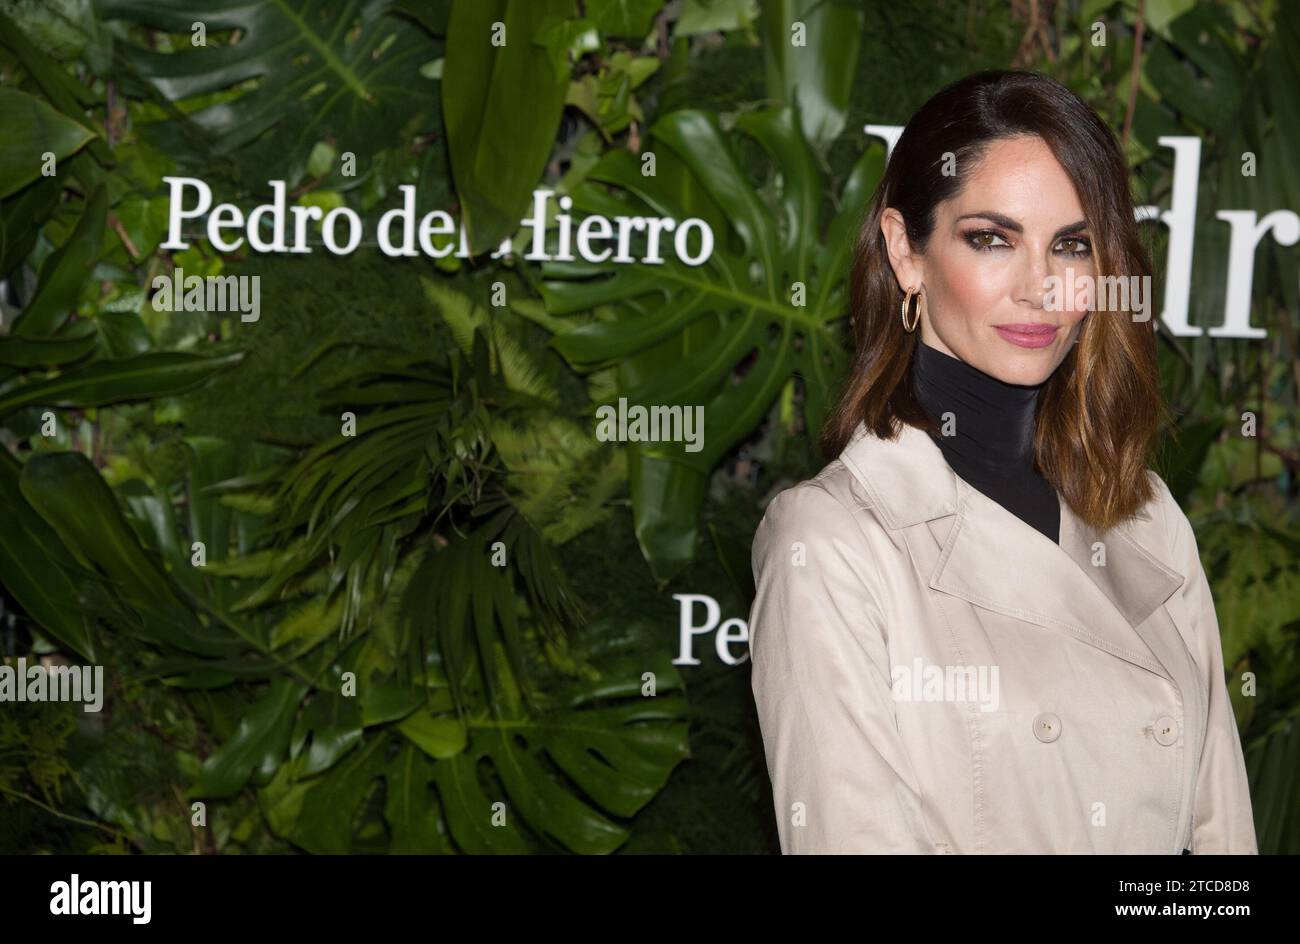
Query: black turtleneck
<point x="992" y="447"/>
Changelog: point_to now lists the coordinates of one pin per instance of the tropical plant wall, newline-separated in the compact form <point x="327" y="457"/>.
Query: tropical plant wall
<point x="358" y="569"/>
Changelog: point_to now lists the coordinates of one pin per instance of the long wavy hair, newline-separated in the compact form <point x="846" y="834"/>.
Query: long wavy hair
<point x="1098" y="413"/>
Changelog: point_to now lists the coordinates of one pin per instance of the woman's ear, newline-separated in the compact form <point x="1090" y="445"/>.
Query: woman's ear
<point x="906" y="266"/>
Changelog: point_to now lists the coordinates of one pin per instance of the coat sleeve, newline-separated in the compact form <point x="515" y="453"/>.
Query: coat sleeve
<point x="842" y="781"/>
<point x="1223" y="821"/>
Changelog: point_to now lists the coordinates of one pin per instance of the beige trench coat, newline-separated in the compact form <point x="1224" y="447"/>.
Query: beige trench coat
<point x="1111" y="730"/>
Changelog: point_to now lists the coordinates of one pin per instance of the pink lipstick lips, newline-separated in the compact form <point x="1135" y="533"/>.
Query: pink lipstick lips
<point x="1027" y="335"/>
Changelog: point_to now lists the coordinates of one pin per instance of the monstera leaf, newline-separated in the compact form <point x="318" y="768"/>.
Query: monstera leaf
<point x="763" y="307"/>
<point x="346" y="71"/>
<point x="614" y="745"/>
<point x="490" y="778"/>
<point x="618" y="754"/>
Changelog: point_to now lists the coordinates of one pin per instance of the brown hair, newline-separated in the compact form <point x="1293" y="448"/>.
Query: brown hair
<point x="1098" y="413"/>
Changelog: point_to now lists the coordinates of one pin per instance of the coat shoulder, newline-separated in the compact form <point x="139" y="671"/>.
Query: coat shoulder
<point x="830" y="506"/>
<point x="828" y="518"/>
<point x="835" y="489"/>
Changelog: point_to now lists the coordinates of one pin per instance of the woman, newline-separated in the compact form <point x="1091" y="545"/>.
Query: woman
<point x="984" y="625"/>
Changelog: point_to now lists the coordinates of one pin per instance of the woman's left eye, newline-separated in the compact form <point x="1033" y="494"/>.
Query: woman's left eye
<point x="1081" y="246"/>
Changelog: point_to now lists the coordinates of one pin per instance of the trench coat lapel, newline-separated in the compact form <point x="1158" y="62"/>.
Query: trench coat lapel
<point x="994" y="560"/>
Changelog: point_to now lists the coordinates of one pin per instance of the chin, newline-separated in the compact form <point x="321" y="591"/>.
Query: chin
<point x="1023" y="371"/>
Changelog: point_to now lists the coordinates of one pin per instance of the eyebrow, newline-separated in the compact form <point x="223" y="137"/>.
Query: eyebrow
<point x="1007" y="222"/>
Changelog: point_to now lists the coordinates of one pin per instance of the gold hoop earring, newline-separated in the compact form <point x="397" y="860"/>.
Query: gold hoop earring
<point x="916" y="318"/>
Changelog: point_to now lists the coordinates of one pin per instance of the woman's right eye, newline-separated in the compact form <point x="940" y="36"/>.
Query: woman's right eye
<point x="983" y="240"/>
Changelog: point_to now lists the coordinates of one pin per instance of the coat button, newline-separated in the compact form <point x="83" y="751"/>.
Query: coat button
<point x="1165" y="730"/>
<point x="1047" y="727"/>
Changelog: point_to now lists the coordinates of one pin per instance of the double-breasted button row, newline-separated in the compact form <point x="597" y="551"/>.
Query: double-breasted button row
<point x="1047" y="728"/>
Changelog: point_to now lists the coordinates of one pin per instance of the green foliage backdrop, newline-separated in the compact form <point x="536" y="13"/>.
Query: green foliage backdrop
<point x="345" y="668"/>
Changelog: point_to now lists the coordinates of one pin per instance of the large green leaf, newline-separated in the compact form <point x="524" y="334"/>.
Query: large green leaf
<point x="460" y="600"/>
<point x="327" y="729"/>
<point x="37" y="569"/>
<point x="62" y="90"/>
<point x="616" y="746"/>
<point x="21" y="217"/>
<point x="501" y="111"/>
<point x="344" y="71"/>
<point x="144" y="376"/>
<point x="1200" y="73"/>
<point x="32" y="129"/>
<point x="317" y="813"/>
<point x="438" y="735"/>
<point x="630" y="18"/>
<point x="613" y="747"/>
<point x="70" y="345"/>
<point x="1182" y="454"/>
<point x="70" y="494"/>
<point x="1280" y="77"/>
<point x="64" y="272"/>
<point x="768" y="308"/>
<point x="1273" y="766"/>
<point x="258" y="745"/>
<point x="819" y="72"/>
<point x="324" y="822"/>
<point x="409" y="809"/>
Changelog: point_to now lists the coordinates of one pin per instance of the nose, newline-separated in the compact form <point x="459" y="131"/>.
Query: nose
<point x="1031" y="286"/>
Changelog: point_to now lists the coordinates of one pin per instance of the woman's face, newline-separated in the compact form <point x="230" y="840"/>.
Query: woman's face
<point x="985" y="273"/>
